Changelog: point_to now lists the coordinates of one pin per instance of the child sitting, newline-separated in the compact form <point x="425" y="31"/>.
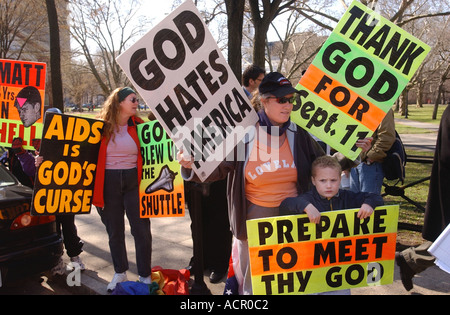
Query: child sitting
<point x="326" y="195"/>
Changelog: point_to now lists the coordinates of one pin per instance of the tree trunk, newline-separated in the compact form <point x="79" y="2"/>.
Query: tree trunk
<point x="55" y="56"/>
<point x="235" y="13"/>
<point x="403" y="103"/>
<point x="440" y="91"/>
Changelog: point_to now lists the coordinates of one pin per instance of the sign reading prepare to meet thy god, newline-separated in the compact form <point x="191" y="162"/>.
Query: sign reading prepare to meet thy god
<point x="355" y="79"/>
<point x="22" y="94"/>
<point x="180" y="72"/>
<point x="290" y="255"/>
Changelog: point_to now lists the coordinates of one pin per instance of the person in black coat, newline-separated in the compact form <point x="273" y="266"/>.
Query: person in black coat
<point x="414" y="260"/>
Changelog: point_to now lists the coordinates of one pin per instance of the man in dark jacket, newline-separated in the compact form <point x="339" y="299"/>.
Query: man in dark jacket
<point x="437" y="214"/>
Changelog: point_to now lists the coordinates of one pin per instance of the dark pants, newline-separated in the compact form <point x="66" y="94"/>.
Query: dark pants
<point x="121" y="195"/>
<point x="65" y="225"/>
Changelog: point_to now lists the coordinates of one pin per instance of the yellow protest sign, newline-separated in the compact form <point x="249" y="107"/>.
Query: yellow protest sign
<point x="161" y="190"/>
<point x="22" y="93"/>
<point x="64" y="183"/>
<point x="356" y="77"/>
<point x="290" y="255"/>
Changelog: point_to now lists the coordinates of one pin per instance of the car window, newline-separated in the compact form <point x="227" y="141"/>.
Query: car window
<point x="6" y="179"/>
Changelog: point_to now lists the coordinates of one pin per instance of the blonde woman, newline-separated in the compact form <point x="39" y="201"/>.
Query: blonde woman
<point x="117" y="181"/>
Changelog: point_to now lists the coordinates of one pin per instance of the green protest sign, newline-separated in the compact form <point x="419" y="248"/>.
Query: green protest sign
<point x="355" y="79"/>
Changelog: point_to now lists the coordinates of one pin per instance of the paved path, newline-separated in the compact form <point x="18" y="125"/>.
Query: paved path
<point x="419" y="142"/>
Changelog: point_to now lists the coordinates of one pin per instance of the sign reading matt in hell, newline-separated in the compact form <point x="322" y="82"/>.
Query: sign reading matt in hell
<point x="180" y="72"/>
<point x="22" y="93"/>
<point x="355" y="79"/>
<point x="64" y="182"/>
<point x="162" y="187"/>
<point x="290" y="255"/>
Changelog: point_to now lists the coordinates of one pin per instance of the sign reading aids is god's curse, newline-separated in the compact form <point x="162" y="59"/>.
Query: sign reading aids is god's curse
<point x="355" y="79"/>
<point x="161" y="191"/>
<point x="22" y="93"/>
<point x="180" y="72"/>
<point x="64" y="182"/>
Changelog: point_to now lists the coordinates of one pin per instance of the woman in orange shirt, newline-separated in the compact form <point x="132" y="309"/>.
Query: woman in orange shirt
<point x="276" y="165"/>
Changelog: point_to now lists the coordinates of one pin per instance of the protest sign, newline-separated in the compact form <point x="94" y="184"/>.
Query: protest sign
<point x="180" y="72"/>
<point x="64" y="182"/>
<point x="161" y="191"/>
<point x="290" y="255"/>
<point x="22" y="93"/>
<point x="360" y="71"/>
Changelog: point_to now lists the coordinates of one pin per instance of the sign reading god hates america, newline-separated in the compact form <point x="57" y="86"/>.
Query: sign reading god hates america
<point x="180" y="72"/>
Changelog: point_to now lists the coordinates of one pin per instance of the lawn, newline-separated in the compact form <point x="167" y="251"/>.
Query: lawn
<point x="423" y="114"/>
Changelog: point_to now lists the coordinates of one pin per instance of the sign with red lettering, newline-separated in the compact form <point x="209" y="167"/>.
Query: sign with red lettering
<point x="22" y="93"/>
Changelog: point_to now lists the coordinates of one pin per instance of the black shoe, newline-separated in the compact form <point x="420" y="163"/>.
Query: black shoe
<point x="406" y="273"/>
<point x="216" y="276"/>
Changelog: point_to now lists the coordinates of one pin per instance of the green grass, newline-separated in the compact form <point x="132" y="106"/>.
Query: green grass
<point x="409" y="213"/>
<point x="423" y="114"/>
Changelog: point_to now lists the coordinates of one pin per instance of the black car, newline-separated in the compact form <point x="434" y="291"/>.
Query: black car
<point x="28" y="244"/>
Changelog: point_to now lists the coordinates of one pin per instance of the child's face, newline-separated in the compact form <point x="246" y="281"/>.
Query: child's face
<point x="327" y="181"/>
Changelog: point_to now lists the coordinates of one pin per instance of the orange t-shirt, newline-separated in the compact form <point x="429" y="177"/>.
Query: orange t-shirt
<point x="271" y="179"/>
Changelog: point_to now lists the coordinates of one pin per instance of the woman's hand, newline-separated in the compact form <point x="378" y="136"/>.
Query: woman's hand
<point x="185" y="161"/>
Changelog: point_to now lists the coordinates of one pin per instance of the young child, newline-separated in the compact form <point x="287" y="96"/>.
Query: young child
<point x="326" y="195"/>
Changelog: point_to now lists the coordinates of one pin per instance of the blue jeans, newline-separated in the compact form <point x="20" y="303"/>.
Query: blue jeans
<point x="121" y="195"/>
<point x="367" y="178"/>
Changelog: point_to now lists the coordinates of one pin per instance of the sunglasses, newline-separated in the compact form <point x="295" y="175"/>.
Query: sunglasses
<point x="284" y="99"/>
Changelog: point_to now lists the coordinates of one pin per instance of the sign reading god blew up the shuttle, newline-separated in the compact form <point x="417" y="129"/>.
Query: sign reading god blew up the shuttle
<point x="180" y="72"/>
<point x="355" y="79"/>
<point x="161" y="191"/>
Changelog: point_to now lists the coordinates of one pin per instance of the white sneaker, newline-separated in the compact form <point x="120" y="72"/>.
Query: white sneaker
<point x="118" y="277"/>
<point x="146" y="280"/>
<point x="76" y="263"/>
<point x="59" y="268"/>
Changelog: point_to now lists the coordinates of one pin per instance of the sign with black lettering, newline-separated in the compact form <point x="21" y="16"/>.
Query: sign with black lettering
<point x="290" y="255"/>
<point x="180" y="72"/>
<point x="64" y="182"/>
<point x="22" y="93"/>
<point x="355" y="79"/>
<point x="161" y="191"/>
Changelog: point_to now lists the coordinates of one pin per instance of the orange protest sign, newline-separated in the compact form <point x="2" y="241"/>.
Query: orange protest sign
<point x="345" y="99"/>
<point x="290" y="255"/>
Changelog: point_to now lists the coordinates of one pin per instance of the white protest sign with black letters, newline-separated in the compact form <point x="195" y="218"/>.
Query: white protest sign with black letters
<point x="183" y="77"/>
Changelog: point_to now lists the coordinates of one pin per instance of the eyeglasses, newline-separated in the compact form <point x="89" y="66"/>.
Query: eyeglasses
<point x="134" y="100"/>
<point x="284" y="99"/>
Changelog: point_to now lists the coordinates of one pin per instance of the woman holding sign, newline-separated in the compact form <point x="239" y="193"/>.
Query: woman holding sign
<point x="117" y="180"/>
<point x="276" y="165"/>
